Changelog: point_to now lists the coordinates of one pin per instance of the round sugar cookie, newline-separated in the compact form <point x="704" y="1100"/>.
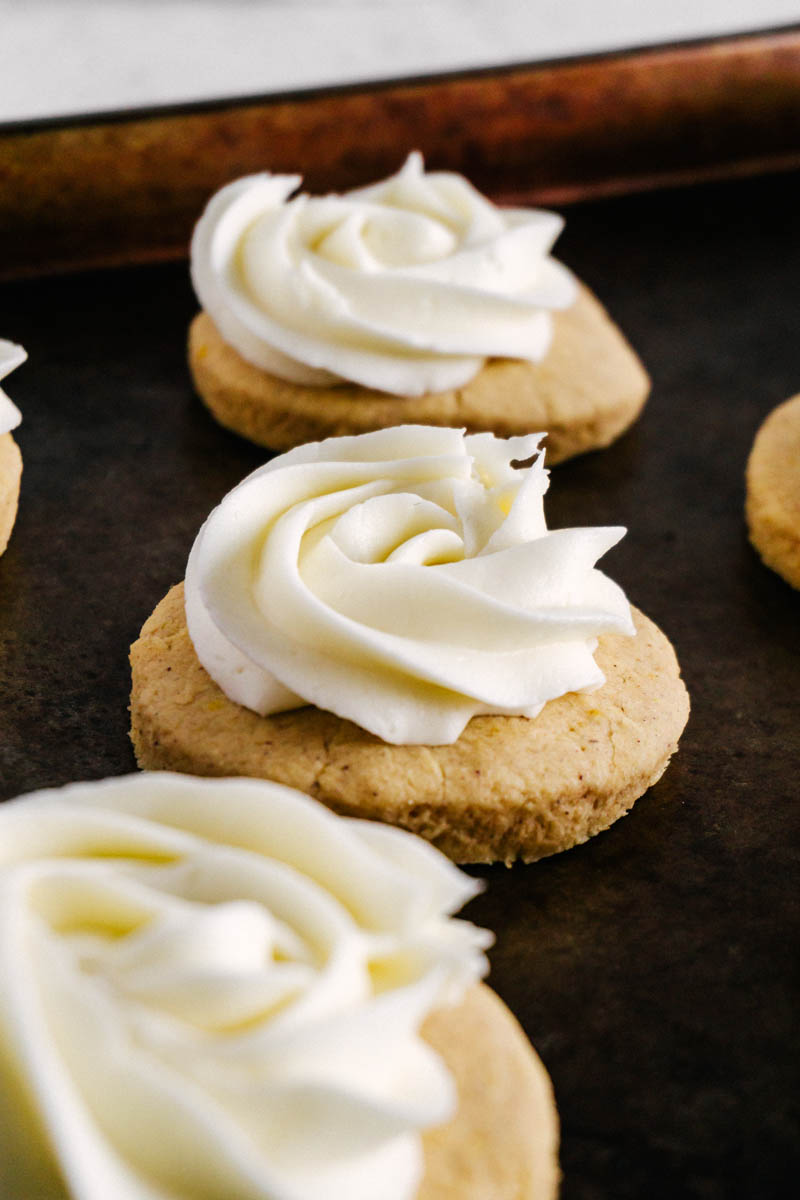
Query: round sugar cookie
<point x="773" y="491"/>
<point x="503" y="1142"/>
<point x="587" y="390"/>
<point x="10" y="476"/>
<point x="508" y="788"/>
<point x="207" y="947"/>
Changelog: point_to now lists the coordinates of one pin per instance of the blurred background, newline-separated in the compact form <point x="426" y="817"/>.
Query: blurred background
<point x="82" y="56"/>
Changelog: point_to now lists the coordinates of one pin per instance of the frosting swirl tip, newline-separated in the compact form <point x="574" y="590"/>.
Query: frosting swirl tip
<point x="11" y="357"/>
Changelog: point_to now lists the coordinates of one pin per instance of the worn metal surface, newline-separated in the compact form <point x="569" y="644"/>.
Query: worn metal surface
<point x="654" y="968"/>
<point x="128" y="188"/>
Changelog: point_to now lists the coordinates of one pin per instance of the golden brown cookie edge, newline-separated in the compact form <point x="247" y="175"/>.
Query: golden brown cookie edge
<point x="508" y="788"/>
<point x="503" y="1141"/>
<point x="587" y="391"/>
<point x="501" y="1144"/>
<point x="772" y="503"/>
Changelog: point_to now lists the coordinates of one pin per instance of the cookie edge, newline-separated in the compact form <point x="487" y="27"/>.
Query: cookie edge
<point x="279" y="415"/>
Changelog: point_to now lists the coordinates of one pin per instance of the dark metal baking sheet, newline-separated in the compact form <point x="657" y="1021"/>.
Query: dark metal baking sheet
<point x="655" y="967"/>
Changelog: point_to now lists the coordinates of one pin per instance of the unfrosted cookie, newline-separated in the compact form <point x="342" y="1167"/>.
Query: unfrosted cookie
<point x="10" y="476"/>
<point x="773" y="491"/>
<point x="507" y="788"/>
<point x="413" y="301"/>
<point x="286" y="992"/>
<point x="589" y="389"/>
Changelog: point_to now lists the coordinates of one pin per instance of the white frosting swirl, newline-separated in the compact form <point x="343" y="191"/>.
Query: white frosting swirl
<point x="212" y="990"/>
<point x="406" y="286"/>
<point x="11" y="356"/>
<point x="403" y="579"/>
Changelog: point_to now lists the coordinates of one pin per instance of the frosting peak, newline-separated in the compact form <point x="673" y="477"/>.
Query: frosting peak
<point x="214" y="988"/>
<point x="403" y="579"/>
<point x="406" y="286"/>
<point x="11" y="357"/>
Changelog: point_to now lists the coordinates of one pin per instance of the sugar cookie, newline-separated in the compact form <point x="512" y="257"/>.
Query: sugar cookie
<point x="773" y="491"/>
<point x="286" y="992"/>
<point x="588" y="390"/>
<point x="386" y="622"/>
<point x="508" y="788"/>
<point x="414" y="301"/>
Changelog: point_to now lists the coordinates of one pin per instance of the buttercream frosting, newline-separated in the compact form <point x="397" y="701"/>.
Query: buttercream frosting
<point x="403" y="579"/>
<point x="213" y="989"/>
<point x="11" y="356"/>
<point x="406" y="286"/>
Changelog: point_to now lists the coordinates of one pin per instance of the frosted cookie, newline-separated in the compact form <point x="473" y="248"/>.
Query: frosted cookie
<point x="220" y="988"/>
<point x="773" y="491"/>
<point x="386" y="623"/>
<point x="415" y="300"/>
<point x="11" y="356"/>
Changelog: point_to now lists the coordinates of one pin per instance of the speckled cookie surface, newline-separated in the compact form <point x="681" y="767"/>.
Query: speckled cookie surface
<point x="507" y="788"/>
<point x="773" y="491"/>
<point x="590" y="387"/>
<point x="502" y="1144"/>
<point x="10" y="475"/>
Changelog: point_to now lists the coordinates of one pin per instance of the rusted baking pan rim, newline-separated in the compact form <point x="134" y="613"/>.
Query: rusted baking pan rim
<point x="125" y="188"/>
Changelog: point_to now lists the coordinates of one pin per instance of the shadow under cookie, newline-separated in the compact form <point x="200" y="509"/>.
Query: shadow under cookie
<point x="587" y="390"/>
<point x="773" y="491"/>
<point x="508" y="788"/>
<point x="10" y="476"/>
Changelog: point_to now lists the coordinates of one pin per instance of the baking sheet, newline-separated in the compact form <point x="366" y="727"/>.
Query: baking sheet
<point x="127" y="187"/>
<point x="655" y="967"/>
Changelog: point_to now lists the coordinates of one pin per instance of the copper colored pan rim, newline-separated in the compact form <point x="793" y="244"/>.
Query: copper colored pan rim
<point x="127" y="188"/>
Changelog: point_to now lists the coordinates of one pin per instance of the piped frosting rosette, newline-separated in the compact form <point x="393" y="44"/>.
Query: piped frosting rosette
<point x="406" y="286"/>
<point x="11" y="357"/>
<point x="403" y="579"/>
<point x="212" y="990"/>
